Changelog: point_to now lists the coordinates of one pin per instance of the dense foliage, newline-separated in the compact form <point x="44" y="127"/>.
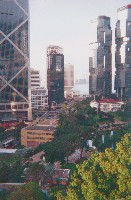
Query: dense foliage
<point x="30" y="191"/>
<point x="78" y="122"/>
<point x="110" y="140"/>
<point x="104" y="176"/>
<point x="11" y="169"/>
<point x="76" y="125"/>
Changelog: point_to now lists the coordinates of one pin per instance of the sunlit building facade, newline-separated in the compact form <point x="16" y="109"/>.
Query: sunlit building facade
<point x="33" y="136"/>
<point x="123" y="53"/>
<point x="55" y="74"/>
<point x="14" y="60"/>
<point x="68" y="79"/>
<point x="100" y="60"/>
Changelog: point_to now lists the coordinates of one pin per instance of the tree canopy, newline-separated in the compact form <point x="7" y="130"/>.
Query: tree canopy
<point x="30" y="191"/>
<point x="104" y="176"/>
<point x="76" y="125"/>
<point x="11" y="168"/>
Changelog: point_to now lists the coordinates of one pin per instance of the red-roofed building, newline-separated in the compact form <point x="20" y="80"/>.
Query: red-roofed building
<point x="107" y="105"/>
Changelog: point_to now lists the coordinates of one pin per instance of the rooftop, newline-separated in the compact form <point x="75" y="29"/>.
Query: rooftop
<point x="124" y="7"/>
<point x="40" y="127"/>
<point x="7" y="150"/>
<point x="37" y="157"/>
<point x="108" y="101"/>
<point x="61" y="173"/>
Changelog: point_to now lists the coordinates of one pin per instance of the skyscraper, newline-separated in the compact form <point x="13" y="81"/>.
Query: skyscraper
<point x="14" y="60"/>
<point x="68" y="80"/>
<point x="123" y="53"/>
<point x="55" y="74"/>
<point x="100" y="61"/>
<point x="68" y="77"/>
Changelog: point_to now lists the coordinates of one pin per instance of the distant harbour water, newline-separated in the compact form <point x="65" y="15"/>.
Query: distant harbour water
<point x="83" y="88"/>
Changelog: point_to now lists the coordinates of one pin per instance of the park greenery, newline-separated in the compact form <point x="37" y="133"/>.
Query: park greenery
<point x="30" y="191"/>
<point x="79" y="123"/>
<point x="104" y="176"/>
<point x="11" y="169"/>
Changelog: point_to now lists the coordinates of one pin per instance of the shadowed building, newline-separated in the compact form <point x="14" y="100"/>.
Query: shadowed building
<point x="100" y="61"/>
<point x="55" y="74"/>
<point x="123" y="53"/>
<point x="14" y="60"/>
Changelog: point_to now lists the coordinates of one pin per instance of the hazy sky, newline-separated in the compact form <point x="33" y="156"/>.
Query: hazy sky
<point x="67" y="23"/>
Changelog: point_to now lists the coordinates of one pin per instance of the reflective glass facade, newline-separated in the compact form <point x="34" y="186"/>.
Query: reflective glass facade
<point x="55" y="76"/>
<point x="123" y="53"/>
<point x="100" y="61"/>
<point x="14" y="60"/>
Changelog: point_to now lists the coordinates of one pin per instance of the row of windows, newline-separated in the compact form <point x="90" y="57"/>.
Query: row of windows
<point x="114" y="105"/>
<point x="38" y="138"/>
<point x="9" y="107"/>
<point x="33" y="133"/>
<point x="35" y="98"/>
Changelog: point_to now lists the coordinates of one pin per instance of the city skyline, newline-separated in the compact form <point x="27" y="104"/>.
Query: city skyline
<point x="67" y="24"/>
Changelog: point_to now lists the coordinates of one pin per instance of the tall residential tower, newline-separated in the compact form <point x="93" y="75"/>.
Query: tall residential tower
<point x="100" y="61"/>
<point x="123" y="53"/>
<point x="14" y="60"/>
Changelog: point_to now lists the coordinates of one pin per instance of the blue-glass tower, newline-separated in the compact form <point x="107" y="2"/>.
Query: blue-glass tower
<point x="14" y="60"/>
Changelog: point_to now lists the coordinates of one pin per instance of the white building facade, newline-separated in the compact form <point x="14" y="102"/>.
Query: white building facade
<point x="35" y="78"/>
<point x="39" y="98"/>
<point x="107" y="105"/>
<point x="68" y="80"/>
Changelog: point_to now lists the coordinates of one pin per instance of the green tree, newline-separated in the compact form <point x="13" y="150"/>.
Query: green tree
<point x="30" y="191"/>
<point x="2" y="194"/>
<point x="35" y="172"/>
<point x="77" y="124"/>
<point x="11" y="168"/>
<point x="104" y="176"/>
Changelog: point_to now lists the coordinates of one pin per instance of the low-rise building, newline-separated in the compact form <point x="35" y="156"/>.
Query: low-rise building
<point x="39" y="98"/>
<point x="107" y="105"/>
<point x="60" y="176"/>
<point x="37" y="134"/>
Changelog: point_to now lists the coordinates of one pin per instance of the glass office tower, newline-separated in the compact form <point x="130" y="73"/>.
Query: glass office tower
<point x="55" y="74"/>
<point x="100" y="61"/>
<point x="123" y="53"/>
<point x="14" y="60"/>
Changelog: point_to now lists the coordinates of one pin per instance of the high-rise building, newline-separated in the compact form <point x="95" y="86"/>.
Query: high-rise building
<point x="123" y="53"/>
<point x="68" y="80"/>
<point x="14" y="60"/>
<point x="100" y="61"/>
<point x="52" y="49"/>
<point x="55" y="74"/>
<point x="35" y="78"/>
<point x="68" y="76"/>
